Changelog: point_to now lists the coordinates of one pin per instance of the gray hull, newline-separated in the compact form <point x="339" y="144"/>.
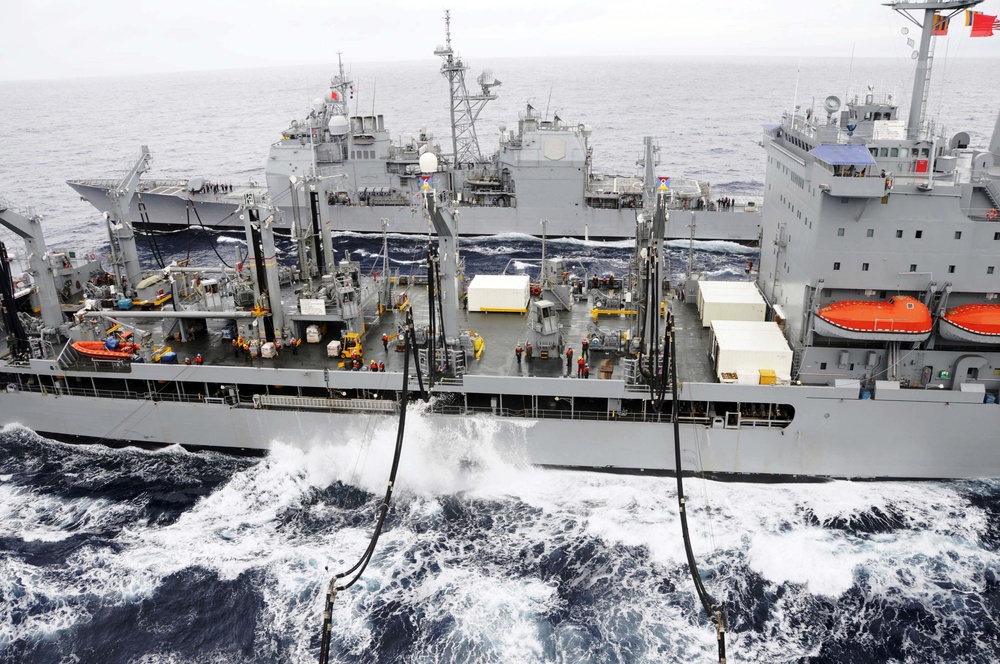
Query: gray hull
<point x="169" y="207"/>
<point x="833" y="434"/>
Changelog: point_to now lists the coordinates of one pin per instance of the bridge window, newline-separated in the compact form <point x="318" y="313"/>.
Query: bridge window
<point x="840" y="232"/>
<point x="913" y="267"/>
<point x="864" y="267"/>
<point x="951" y="269"/>
<point x="899" y="234"/>
<point x="871" y="232"/>
<point x="893" y="152"/>
<point x="836" y="265"/>
<point x="918" y="234"/>
<point x="958" y="235"/>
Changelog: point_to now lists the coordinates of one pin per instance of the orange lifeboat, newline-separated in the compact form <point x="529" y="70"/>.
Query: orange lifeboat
<point x="976" y="323"/>
<point x="100" y="351"/>
<point x="900" y="318"/>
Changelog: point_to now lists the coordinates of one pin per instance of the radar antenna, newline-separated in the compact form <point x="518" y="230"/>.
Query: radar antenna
<point x="465" y="107"/>
<point x="924" y="55"/>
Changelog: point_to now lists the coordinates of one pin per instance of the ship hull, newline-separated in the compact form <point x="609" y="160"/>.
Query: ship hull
<point x="170" y="207"/>
<point x="834" y="434"/>
<point x="953" y="332"/>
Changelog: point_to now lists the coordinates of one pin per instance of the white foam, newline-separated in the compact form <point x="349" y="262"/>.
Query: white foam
<point x="482" y="586"/>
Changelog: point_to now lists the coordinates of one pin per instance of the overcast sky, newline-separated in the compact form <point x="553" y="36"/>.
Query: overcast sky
<point x="70" y="38"/>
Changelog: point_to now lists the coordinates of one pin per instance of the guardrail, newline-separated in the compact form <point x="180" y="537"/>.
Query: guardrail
<point x="65" y="390"/>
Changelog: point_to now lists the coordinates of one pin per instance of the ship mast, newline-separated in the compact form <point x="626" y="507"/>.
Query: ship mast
<point x="922" y="76"/>
<point x="465" y="107"/>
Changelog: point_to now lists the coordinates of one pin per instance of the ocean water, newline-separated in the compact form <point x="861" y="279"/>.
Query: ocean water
<point x="126" y="555"/>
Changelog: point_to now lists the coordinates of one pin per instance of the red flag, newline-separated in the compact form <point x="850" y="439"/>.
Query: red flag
<point x="982" y="25"/>
<point x="940" y="25"/>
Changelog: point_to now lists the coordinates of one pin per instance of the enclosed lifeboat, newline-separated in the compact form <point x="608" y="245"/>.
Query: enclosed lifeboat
<point x="110" y="349"/>
<point x="900" y="318"/>
<point x="975" y="323"/>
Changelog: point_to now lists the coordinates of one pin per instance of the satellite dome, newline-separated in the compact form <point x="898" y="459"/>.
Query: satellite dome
<point x="339" y="125"/>
<point x="318" y="104"/>
<point x="428" y="162"/>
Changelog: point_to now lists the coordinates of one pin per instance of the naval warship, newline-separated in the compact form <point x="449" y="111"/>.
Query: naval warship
<point x="334" y="168"/>
<point x="863" y="345"/>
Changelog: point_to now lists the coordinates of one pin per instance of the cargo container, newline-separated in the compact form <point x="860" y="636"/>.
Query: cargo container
<point x="729" y="300"/>
<point x="499" y="292"/>
<point x="747" y="349"/>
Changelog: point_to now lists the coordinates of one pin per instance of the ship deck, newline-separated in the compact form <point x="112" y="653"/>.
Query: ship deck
<point x="502" y="332"/>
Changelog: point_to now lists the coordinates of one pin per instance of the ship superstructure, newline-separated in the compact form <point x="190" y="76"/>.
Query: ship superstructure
<point x="344" y="170"/>
<point x="867" y="208"/>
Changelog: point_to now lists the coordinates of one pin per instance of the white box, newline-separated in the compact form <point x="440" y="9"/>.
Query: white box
<point x="333" y="348"/>
<point x="749" y="346"/>
<point x="729" y="300"/>
<point x="499" y="292"/>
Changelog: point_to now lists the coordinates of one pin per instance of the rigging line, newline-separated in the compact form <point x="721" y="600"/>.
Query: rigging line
<point x="363" y="450"/>
<point x="711" y="606"/>
<point x="210" y="243"/>
<point x="704" y="486"/>
<point x="154" y="246"/>
<point x="359" y="567"/>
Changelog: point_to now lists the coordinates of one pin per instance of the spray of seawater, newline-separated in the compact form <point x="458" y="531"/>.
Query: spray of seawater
<point x="174" y="556"/>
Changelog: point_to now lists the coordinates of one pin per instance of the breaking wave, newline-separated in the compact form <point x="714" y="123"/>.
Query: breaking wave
<point x="176" y="556"/>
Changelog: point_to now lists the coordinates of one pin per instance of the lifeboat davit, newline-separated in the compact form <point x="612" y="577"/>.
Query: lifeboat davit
<point x="976" y="323"/>
<point x="99" y="350"/>
<point x="900" y="318"/>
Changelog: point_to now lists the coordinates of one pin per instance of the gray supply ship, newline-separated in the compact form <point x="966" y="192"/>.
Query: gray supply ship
<point x="334" y="168"/>
<point x="865" y="345"/>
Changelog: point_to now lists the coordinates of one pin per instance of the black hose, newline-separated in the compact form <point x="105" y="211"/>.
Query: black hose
<point x="711" y="606"/>
<point x="154" y="246"/>
<point x="359" y="567"/>
<point x="210" y="243"/>
<point x="17" y="338"/>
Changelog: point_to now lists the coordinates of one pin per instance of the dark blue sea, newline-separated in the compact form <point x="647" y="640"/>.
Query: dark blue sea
<point x="128" y="555"/>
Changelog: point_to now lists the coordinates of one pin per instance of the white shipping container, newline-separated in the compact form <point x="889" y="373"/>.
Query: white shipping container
<point x="729" y="300"/>
<point x="746" y="347"/>
<point x="499" y="292"/>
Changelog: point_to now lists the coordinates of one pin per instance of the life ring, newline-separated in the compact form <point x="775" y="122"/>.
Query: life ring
<point x="93" y="256"/>
<point x="992" y="214"/>
<point x="536" y="290"/>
